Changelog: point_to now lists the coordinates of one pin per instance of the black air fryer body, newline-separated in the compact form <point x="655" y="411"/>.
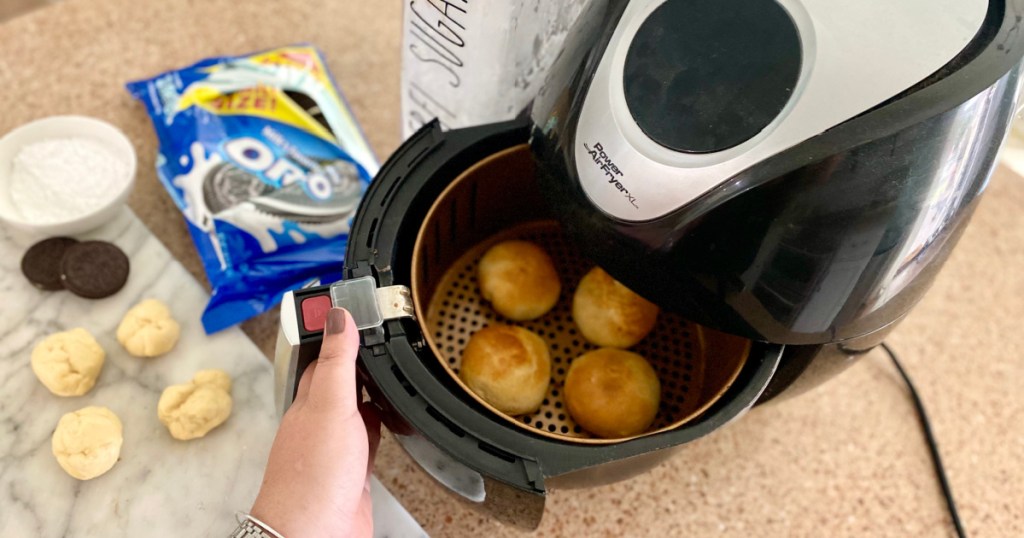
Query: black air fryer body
<point x="458" y="441"/>
<point x="813" y="252"/>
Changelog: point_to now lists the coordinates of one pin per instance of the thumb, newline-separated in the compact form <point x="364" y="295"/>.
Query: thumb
<point x="334" y="381"/>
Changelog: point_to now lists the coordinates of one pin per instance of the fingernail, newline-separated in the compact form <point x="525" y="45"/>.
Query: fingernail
<point x="335" y="321"/>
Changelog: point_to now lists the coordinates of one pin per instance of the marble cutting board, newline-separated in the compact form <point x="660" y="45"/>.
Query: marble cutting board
<point x="160" y="486"/>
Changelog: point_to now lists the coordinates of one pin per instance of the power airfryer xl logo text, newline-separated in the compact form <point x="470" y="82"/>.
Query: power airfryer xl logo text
<point x="612" y="172"/>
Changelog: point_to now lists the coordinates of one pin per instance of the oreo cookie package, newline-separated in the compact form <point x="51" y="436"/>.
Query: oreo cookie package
<point x="267" y="164"/>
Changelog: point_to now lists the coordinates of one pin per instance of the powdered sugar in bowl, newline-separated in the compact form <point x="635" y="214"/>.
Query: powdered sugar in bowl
<point x="64" y="175"/>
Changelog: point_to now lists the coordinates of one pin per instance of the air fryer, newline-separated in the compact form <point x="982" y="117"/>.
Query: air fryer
<point x="785" y="201"/>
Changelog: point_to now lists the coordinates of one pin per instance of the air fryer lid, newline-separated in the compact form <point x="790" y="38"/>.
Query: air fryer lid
<point x="808" y="199"/>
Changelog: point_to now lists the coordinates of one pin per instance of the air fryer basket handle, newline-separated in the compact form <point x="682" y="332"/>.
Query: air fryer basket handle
<point x="503" y="502"/>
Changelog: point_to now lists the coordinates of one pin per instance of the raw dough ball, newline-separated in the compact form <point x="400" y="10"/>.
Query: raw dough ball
<point x="509" y="367"/>
<point x="610" y="314"/>
<point x="612" y="393"/>
<point x="148" y="329"/>
<point x="87" y="442"/>
<point x="519" y="280"/>
<point x="192" y="409"/>
<point x="68" y="363"/>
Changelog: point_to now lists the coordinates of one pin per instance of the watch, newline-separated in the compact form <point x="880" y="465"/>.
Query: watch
<point x="250" y="527"/>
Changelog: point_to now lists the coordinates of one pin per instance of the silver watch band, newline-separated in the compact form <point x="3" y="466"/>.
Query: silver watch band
<point x="250" y="527"/>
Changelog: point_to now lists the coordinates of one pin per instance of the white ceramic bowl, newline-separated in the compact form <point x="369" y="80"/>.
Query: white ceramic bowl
<point x="110" y="137"/>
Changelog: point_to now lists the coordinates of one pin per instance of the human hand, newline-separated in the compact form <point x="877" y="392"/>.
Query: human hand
<point x="317" y="477"/>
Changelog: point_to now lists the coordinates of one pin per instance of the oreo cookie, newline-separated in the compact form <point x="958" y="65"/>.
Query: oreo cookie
<point x="94" y="269"/>
<point x="227" y="186"/>
<point x="41" y="262"/>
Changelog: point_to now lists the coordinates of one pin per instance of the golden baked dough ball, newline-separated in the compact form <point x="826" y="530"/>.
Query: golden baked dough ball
<point x="509" y="367"/>
<point x="519" y="280"/>
<point x="612" y="393"/>
<point x="610" y="314"/>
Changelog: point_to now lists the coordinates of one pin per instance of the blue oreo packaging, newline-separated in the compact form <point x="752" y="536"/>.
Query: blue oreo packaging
<point x="264" y="159"/>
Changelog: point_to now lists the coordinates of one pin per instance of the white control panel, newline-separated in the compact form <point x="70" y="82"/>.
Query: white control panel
<point x="855" y="55"/>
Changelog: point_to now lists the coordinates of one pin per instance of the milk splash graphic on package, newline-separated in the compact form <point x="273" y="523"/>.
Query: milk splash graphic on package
<point x="267" y="165"/>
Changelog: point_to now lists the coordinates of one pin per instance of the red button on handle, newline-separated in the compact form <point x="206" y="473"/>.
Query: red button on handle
<point x="314" y="312"/>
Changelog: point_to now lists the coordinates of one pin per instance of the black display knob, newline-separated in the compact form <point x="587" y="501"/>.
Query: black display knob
<point x="705" y="75"/>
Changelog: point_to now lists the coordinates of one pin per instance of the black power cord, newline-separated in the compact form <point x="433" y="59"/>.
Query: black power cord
<point x="947" y="491"/>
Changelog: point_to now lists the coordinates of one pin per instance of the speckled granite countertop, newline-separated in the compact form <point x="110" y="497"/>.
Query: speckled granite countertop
<point x="844" y="460"/>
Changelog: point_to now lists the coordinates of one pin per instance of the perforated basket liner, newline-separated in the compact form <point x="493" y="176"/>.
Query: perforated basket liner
<point x="674" y="348"/>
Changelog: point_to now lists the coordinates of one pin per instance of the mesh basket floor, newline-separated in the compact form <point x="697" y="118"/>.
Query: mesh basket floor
<point x="456" y="311"/>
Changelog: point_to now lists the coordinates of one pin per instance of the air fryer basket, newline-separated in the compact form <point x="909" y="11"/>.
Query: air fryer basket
<point x="498" y="199"/>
